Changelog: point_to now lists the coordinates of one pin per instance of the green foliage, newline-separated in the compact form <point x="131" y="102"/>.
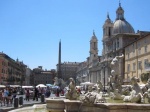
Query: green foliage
<point x="145" y="77"/>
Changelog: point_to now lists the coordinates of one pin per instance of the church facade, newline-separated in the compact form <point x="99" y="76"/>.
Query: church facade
<point x="116" y="36"/>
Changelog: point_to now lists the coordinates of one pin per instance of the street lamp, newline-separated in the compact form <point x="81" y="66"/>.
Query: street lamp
<point x="104" y="77"/>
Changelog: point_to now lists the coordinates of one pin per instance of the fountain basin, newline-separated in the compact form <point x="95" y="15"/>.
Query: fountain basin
<point x="34" y="108"/>
<point x="64" y="105"/>
<point x="78" y="106"/>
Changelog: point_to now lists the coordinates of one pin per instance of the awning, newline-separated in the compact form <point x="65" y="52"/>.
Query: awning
<point x="27" y="87"/>
<point x="2" y="86"/>
<point x="50" y="85"/>
<point x="41" y="85"/>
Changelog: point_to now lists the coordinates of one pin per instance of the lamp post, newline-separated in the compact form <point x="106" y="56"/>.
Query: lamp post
<point x="104" y="77"/>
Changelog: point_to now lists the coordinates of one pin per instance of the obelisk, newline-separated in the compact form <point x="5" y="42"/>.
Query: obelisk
<point x="59" y="75"/>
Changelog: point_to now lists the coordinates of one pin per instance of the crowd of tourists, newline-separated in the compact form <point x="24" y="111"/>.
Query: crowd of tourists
<point x="8" y="94"/>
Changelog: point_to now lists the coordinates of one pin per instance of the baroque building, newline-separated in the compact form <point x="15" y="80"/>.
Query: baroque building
<point x="40" y="76"/>
<point x="68" y="70"/>
<point x="137" y="57"/>
<point x="116" y="36"/>
<point x="11" y="71"/>
<point x="87" y="71"/>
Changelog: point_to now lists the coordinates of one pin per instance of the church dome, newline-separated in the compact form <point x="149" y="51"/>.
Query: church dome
<point x="122" y="26"/>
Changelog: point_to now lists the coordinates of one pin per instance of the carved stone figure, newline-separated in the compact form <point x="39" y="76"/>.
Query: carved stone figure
<point x="115" y="79"/>
<point x="99" y="86"/>
<point x="72" y="92"/>
<point x="116" y="95"/>
<point x="136" y="95"/>
<point x="59" y="82"/>
<point x="147" y="95"/>
<point x="147" y="85"/>
<point x="92" y="97"/>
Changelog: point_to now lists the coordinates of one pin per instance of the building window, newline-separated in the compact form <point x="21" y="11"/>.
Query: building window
<point x="104" y="31"/>
<point x="115" y="46"/>
<point x="128" y="67"/>
<point x="133" y="46"/>
<point x="140" y="65"/>
<point x="109" y="31"/>
<point x="94" y="47"/>
<point x="139" y="51"/>
<point x="145" y="49"/>
<point x="117" y="43"/>
<point x="145" y="63"/>
<point x="128" y="55"/>
<point x="133" y="52"/>
<point x="134" y="66"/>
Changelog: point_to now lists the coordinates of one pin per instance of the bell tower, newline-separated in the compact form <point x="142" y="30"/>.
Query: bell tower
<point x="93" y="48"/>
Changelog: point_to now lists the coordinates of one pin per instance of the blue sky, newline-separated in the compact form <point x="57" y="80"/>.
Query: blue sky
<point x="30" y="30"/>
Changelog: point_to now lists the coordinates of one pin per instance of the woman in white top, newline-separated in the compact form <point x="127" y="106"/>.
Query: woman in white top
<point x="5" y="95"/>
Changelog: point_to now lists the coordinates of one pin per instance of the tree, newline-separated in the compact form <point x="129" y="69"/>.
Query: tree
<point x="145" y="77"/>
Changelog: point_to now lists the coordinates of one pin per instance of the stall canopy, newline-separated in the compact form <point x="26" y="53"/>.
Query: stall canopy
<point x="50" y="85"/>
<point x="2" y="86"/>
<point x="27" y="86"/>
<point x="14" y="86"/>
<point x="41" y="85"/>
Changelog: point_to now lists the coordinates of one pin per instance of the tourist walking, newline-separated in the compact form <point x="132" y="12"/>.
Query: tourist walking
<point x="14" y="93"/>
<point x="36" y="92"/>
<point x="27" y="93"/>
<point x="48" y="92"/>
<point x="9" y="98"/>
<point x="5" y="96"/>
<point x="39" y="91"/>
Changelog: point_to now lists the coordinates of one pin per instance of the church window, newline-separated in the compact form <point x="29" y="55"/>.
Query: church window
<point x="94" y="45"/>
<point x="104" y="31"/>
<point x="109" y="31"/>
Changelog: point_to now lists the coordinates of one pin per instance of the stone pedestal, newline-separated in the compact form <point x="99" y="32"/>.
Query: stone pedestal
<point x="72" y="105"/>
<point x="55" y="105"/>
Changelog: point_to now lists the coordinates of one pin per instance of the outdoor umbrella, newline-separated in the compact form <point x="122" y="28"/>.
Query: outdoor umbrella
<point x="41" y="85"/>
